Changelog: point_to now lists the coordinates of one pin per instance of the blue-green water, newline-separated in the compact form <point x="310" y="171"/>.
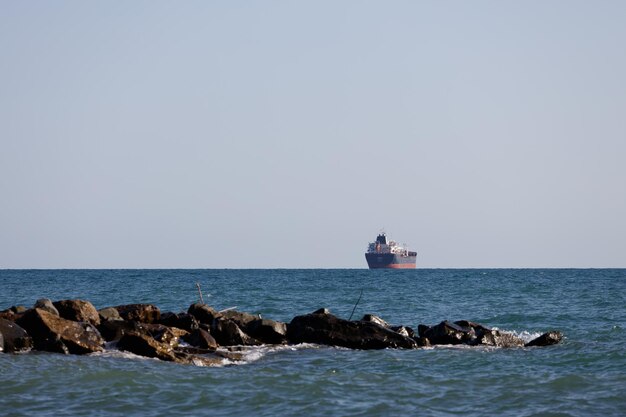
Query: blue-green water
<point x="583" y="376"/>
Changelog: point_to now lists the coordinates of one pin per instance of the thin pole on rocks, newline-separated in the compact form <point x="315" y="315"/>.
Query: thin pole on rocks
<point x="357" y="303"/>
<point x="200" y="292"/>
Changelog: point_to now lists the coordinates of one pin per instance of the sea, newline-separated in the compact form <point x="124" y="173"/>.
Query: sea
<point x="585" y="375"/>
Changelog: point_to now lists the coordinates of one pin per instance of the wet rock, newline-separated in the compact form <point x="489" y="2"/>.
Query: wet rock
<point x="421" y="341"/>
<point x="183" y="321"/>
<point x="78" y="310"/>
<point x="227" y="333"/>
<point x="162" y="333"/>
<point x="327" y="329"/>
<point x="546" y="339"/>
<point x="200" y="338"/>
<point x="268" y="331"/>
<point x="144" y="345"/>
<point x="15" y="338"/>
<point x="143" y="313"/>
<point x="113" y="330"/>
<point x="47" y="305"/>
<point x="109" y="313"/>
<point x="56" y="334"/>
<point x="446" y="333"/>
<point x="498" y="338"/>
<point x="206" y="360"/>
<point x="203" y="313"/>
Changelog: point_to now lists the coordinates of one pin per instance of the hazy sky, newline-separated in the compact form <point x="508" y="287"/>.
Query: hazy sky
<point x="287" y="134"/>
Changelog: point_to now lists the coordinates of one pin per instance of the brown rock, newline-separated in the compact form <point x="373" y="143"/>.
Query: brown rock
<point x="227" y="333"/>
<point x="15" y="338"/>
<point x="202" y="339"/>
<point x="143" y="313"/>
<point x="183" y="321"/>
<point x="109" y="313"/>
<point x="203" y="313"/>
<point x="144" y="345"/>
<point x="78" y="310"/>
<point x="56" y="334"/>
<point x="47" y="305"/>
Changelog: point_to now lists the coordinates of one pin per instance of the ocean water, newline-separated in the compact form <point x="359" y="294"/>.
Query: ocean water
<point x="583" y="376"/>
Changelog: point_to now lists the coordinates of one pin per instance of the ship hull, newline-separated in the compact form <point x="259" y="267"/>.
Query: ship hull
<point x="389" y="261"/>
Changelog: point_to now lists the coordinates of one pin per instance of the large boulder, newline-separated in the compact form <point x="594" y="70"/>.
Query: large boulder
<point x="183" y="321"/>
<point x="446" y="333"/>
<point x="56" y="334"/>
<point x="227" y="333"/>
<point x="144" y="345"/>
<point x="78" y="310"/>
<point x="241" y="319"/>
<point x="109" y="313"/>
<point x="47" y="305"/>
<point x="201" y="338"/>
<point x="267" y="331"/>
<point x="469" y="333"/>
<point x="203" y="313"/>
<point x="546" y="339"/>
<point x="15" y="338"/>
<point x="113" y="330"/>
<point x="143" y="313"/>
<point x="499" y="339"/>
<point x="324" y="328"/>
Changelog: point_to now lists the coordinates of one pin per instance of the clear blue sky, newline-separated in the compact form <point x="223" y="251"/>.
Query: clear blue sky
<point x="287" y="134"/>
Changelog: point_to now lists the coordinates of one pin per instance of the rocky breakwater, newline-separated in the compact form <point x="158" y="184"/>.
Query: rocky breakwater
<point x="204" y="336"/>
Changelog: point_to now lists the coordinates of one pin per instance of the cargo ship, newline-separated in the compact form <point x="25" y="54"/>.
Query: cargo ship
<point x="388" y="254"/>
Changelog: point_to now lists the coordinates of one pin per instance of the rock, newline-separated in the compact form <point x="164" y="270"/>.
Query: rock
<point x="143" y="313"/>
<point x="546" y="339"/>
<point x="446" y="333"/>
<point x="15" y="338"/>
<point x="78" y="310"/>
<point x="200" y="338"/>
<point x="113" y="330"/>
<point x="206" y="360"/>
<point x="326" y="329"/>
<point x="241" y="319"/>
<point x="47" y="305"/>
<point x="56" y="334"/>
<point x="203" y="313"/>
<point x="268" y="331"/>
<point x="18" y="309"/>
<point x="227" y="333"/>
<point x="183" y="321"/>
<point x="162" y="333"/>
<point x="109" y="313"/>
<point x="498" y="338"/>
<point x="1" y="342"/>
<point x="321" y="311"/>
<point x="422" y="341"/>
<point x="8" y="315"/>
<point x="144" y="345"/>
<point x="375" y="319"/>
<point x="404" y="331"/>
